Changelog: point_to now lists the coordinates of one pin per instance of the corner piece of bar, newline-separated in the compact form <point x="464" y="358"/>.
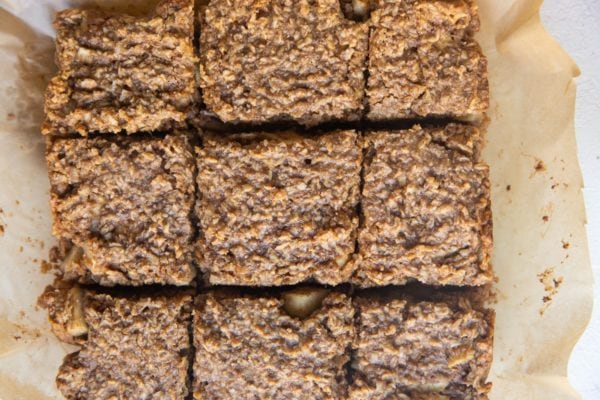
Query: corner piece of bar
<point x="248" y="346"/>
<point x="119" y="73"/>
<point x="126" y="204"/>
<point x="414" y="349"/>
<point x="282" y="60"/>
<point x="278" y="209"/>
<point x="426" y="208"/>
<point x="133" y="346"/>
<point x="425" y="62"/>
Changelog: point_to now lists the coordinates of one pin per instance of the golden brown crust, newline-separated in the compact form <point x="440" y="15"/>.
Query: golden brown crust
<point x="248" y="347"/>
<point x="264" y="61"/>
<point x="122" y="73"/>
<point x="137" y="348"/>
<point x="278" y="209"/>
<point x="416" y="349"/>
<point x="127" y="202"/>
<point x="426" y="207"/>
<point x="424" y="62"/>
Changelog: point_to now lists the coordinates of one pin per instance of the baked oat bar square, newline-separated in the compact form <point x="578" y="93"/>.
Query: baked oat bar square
<point x="424" y="61"/>
<point x="251" y="346"/>
<point x="137" y="347"/>
<point x="269" y="61"/>
<point x="122" y="73"/>
<point x="278" y="209"/>
<point x="426" y="208"/>
<point x="410" y="349"/>
<point x="126" y="204"/>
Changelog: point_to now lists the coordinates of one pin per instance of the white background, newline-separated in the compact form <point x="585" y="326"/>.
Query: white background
<point x="576" y="25"/>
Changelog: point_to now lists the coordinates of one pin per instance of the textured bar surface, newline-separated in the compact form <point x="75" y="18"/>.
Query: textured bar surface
<point x="407" y="349"/>
<point x="278" y="209"/>
<point x="122" y="73"/>
<point x="137" y="347"/>
<point x="248" y="347"/>
<point x="265" y="61"/>
<point x="424" y="62"/>
<point x="128" y="203"/>
<point x="426" y="207"/>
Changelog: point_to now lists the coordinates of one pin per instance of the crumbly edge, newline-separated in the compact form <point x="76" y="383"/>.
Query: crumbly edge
<point x="92" y="297"/>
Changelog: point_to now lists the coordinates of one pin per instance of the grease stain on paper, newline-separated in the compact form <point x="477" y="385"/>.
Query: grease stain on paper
<point x="14" y="336"/>
<point x="19" y="390"/>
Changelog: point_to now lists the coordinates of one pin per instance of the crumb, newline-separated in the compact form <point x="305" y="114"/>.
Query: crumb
<point x="545" y="218"/>
<point x="17" y="337"/>
<point x="45" y="266"/>
<point x="565" y="245"/>
<point x="557" y="282"/>
<point x="551" y="286"/>
<point x="508" y="187"/>
<point x="554" y="186"/>
<point x="1" y="229"/>
<point x="539" y="166"/>
<point x="546" y="299"/>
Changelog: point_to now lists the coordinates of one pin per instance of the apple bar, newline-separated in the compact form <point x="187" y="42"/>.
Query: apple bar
<point x="426" y="208"/>
<point x="415" y="349"/>
<point x="279" y="346"/>
<point x="425" y="62"/>
<point x="278" y="208"/>
<point x="133" y="346"/>
<point x="120" y="73"/>
<point x="267" y="62"/>
<point x="126" y="205"/>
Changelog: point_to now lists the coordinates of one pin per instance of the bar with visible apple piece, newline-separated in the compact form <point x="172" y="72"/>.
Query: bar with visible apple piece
<point x="126" y="204"/>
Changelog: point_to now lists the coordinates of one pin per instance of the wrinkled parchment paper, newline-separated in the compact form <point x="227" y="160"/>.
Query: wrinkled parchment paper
<point x="540" y="253"/>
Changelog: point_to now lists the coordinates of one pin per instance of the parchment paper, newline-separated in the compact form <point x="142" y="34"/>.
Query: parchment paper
<point x="540" y="253"/>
